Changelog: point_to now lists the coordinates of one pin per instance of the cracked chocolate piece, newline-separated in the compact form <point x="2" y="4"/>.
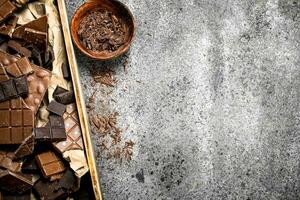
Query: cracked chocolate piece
<point x="16" y="47"/>
<point x="19" y="68"/>
<point x="39" y="24"/>
<point x="65" y="98"/>
<point x="58" y="90"/>
<point x="13" y="88"/>
<point x="6" y="9"/>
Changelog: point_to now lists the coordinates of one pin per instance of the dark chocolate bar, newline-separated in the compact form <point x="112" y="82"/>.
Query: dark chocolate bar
<point x="26" y="148"/>
<point x="53" y="131"/>
<point x="56" y="108"/>
<point x="58" y="90"/>
<point x="13" y="88"/>
<point x="50" y="164"/>
<point x="15" y="182"/>
<point x="16" y="121"/>
<point x="35" y="37"/>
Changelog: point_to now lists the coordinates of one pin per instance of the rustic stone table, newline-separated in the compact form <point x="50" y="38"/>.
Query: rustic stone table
<point x="211" y="99"/>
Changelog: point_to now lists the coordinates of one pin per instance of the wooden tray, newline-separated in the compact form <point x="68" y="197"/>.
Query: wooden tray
<point x="84" y="123"/>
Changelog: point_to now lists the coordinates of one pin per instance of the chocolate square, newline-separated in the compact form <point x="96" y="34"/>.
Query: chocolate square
<point x="56" y="108"/>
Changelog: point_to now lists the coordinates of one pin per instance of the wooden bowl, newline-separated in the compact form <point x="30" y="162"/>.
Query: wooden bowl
<point x="114" y="6"/>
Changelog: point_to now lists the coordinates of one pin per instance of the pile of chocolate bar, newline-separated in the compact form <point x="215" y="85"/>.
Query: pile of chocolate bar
<point x="34" y="163"/>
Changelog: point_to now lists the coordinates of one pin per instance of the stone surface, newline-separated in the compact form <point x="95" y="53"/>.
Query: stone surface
<point x="215" y="111"/>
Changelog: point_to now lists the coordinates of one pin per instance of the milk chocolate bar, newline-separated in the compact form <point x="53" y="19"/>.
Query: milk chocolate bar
<point x="50" y="164"/>
<point x="6" y="9"/>
<point x="6" y="59"/>
<point x="13" y="88"/>
<point x="19" y="68"/>
<point x="14" y="182"/>
<point x="74" y="137"/>
<point x="56" y="108"/>
<point x="26" y="148"/>
<point x="3" y="74"/>
<point x="38" y="84"/>
<point x="16" y="47"/>
<point x="6" y="161"/>
<point x="16" y="121"/>
<point x="65" y="98"/>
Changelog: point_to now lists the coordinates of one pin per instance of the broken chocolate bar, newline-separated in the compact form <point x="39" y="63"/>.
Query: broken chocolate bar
<point x="15" y="182"/>
<point x="16" y="121"/>
<point x="67" y="182"/>
<point x="6" y="9"/>
<point x="16" y="47"/>
<point x="58" y="90"/>
<point x="46" y="190"/>
<point x="56" y="108"/>
<point x="65" y="98"/>
<point x="50" y="164"/>
<point x="39" y="24"/>
<point x="53" y="131"/>
<point x="35" y="37"/>
<point x="6" y="161"/>
<point x="74" y="138"/>
<point x="38" y="84"/>
<point x="13" y="88"/>
<point x="26" y="148"/>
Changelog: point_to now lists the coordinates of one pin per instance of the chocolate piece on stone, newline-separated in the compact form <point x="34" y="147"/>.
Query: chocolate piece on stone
<point x="19" y="68"/>
<point x="50" y="164"/>
<point x="38" y="84"/>
<point x="56" y="108"/>
<point x="16" y="121"/>
<point x="74" y="137"/>
<point x="16" y="47"/>
<point x="65" y="98"/>
<point x="9" y="25"/>
<point x="6" y="9"/>
<point x="6" y="161"/>
<point x="46" y="190"/>
<point x="15" y="182"/>
<point x="26" y="148"/>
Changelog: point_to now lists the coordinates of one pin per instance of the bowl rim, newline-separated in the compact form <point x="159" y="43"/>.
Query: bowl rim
<point x="83" y="49"/>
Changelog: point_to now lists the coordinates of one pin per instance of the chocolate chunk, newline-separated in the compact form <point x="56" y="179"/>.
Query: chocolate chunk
<point x="58" y="90"/>
<point x="50" y="164"/>
<point x="74" y="137"/>
<point x="56" y="121"/>
<point x="8" y="26"/>
<point x="35" y="37"/>
<point x="6" y="161"/>
<point x="6" y="59"/>
<point x="29" y="166"/>
<point x="13" y="88"/>
<point x="56" y="108"/>
<point x="46" y="190"/>
<point x="21" y="86"/>
<point x="19" y="68"/>
<point x="36" y="57"/>
<point x="67" y="182"/>
<point x="65" y="98"/>
<point x="16" y="121"/>
<point x="48" y="58"/>
<point x="66" y="71"/>
<point x="16" y="47"/>
<point x="6" y="9"/>
<point x="38" y="84"/>
<point x="39" y="24"/>
<point x="15" y="182"/>
<point x="26" y="148"/>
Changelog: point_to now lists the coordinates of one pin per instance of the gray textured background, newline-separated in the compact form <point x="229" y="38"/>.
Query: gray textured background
<point x="216" y="114"/>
